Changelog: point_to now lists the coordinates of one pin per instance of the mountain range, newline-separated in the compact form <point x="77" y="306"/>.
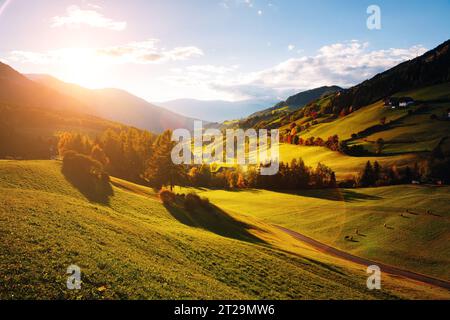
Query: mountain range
<point x="216" y="110"/>
<point x="45" y="91"/>
<point x="299" y="100"/>
<point x="118" y="105"/>
<point x="18" y="90"/>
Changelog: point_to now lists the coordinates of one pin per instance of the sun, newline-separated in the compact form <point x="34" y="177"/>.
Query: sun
<point x="80" y="66"/>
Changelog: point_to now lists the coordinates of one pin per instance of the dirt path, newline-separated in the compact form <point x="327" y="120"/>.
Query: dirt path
<point x="366" y="262"/>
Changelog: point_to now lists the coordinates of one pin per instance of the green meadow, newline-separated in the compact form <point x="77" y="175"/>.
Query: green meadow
<point x="343" y="165"/>
<point x="388" y="224"/>
<point x="130" y="246"/>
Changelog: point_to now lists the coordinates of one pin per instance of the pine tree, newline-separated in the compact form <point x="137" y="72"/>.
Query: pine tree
<point x="367" y="177"/>
<point x="161" y="170"/>
<point x="376" y="171"/>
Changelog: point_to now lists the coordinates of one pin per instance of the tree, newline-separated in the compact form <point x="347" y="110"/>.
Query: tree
<point x="332" y="143"/>
<point x="324" y="177"/>
<point x="437" y="153"/>
<point x="161" y="171"/>
<point x="252" y="177"/>
<point x="200" y="176"/>
<point x="240" y="181"/>
<point x="232" y="179"/>
<point x="376" y="171"/>
<point x="98" y="154"/>
<point x="367" y="176"/>
<point x="74" y="142"/>
<point x="379" y="145"/>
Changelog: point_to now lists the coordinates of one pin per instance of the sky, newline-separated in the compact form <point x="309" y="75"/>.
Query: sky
<point x="216" y="49"/>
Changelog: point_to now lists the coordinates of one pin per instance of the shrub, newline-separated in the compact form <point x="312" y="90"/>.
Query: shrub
<point x="348" y="183"/>
<point x="82" y="165"/>
<point x="167" y="196"/>
<point x="205" y="203"/>
<point x="87" y="175"/>
<point x="192" y="202"/>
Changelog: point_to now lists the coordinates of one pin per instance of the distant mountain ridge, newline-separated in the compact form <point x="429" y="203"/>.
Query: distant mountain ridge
<point x="300" y="99"/>
<point x="303" y="98"/>
<point x="18" y="90"/>
<point x="119" y="105"/>
<point x="216" y="110"/>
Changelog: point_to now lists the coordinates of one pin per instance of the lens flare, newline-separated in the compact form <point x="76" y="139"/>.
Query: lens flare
<point x="4" y="5"/>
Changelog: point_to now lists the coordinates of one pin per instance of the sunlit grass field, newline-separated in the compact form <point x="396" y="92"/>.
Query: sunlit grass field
<point x="386" y="231"/>
<point x="133" y="247"/>
<point x="355" y="122"/>
<point x="343" y="165"/>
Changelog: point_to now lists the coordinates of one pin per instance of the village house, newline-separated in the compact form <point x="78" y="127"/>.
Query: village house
<point x="398" y="102"/>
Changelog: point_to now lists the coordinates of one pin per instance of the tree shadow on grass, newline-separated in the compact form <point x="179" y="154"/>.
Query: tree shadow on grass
<point x="248" y="190"/>
<point x="213" y="219"/>
<point x="93" y="188"/>
<point x="342" y="195"/>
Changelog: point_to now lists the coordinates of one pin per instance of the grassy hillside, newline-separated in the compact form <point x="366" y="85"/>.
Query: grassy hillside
<point x="343" y="165"/>
<point x="405" y="135"/>
<point x="416" y="240"/>
<point x="415" y="125"/>
<point x="416" y="132"/>
<point x="358" y="121"/>
<point x="132" y="247"/>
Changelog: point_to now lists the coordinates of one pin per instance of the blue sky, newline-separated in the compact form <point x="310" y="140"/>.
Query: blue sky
<point x="215" y="49"/>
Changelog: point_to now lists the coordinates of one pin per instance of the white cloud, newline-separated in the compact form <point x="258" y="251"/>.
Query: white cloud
<point x="148" y="52"/>
<point x="143" y="52"/>
<point x="291" y="47"/>
<point x="76" y="17"/>
<point x="344" y="64"/>
<point x="36" y="57"/>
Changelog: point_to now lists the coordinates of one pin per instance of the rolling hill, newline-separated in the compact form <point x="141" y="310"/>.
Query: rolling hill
<point x="133" y="247"/>
<point x="387" y="233"/>
<point x="417" y="129"/>
<point x="119" y="105"/>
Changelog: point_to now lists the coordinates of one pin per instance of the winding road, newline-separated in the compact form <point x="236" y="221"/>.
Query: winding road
<point x="366" y="262"/>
